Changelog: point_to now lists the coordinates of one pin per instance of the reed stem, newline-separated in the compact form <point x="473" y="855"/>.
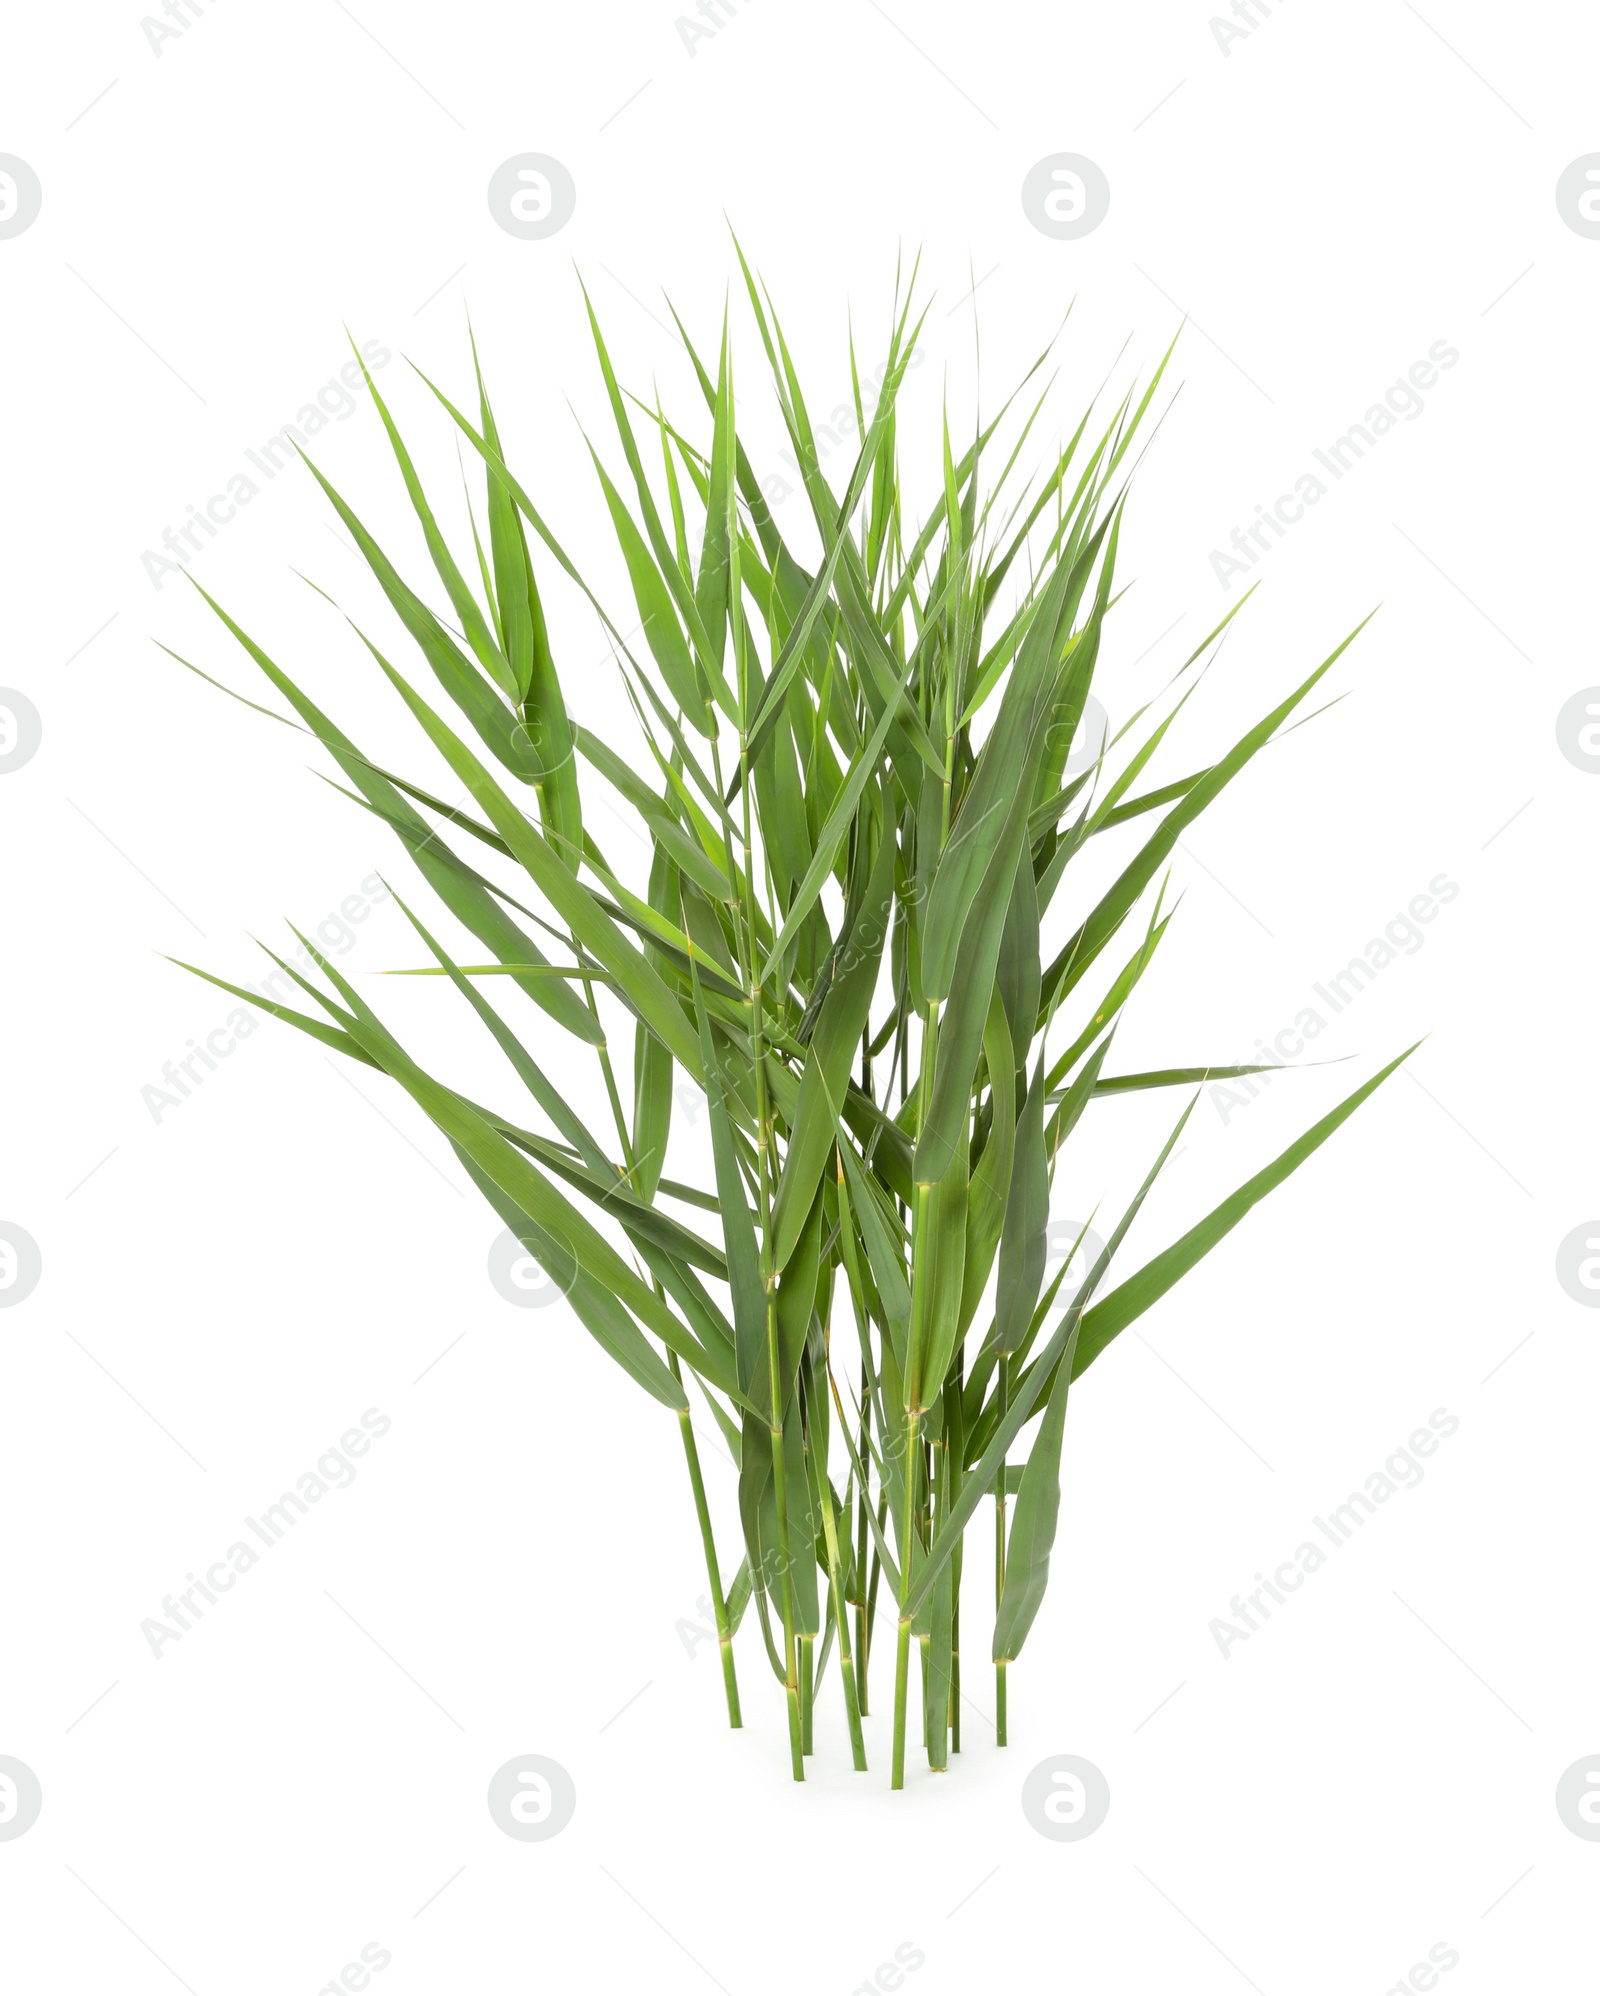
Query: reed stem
<point x="702" y="1511"/>
<point x="1003" y="1391"/>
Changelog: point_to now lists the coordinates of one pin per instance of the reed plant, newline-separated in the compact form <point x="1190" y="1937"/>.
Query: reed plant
<point x="861" y="935"/>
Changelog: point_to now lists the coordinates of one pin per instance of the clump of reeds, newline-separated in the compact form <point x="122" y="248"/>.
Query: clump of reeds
<point x="852" y="774"/>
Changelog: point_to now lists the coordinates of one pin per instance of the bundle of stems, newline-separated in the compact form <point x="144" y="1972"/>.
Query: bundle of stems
<point x="857" y="783"/>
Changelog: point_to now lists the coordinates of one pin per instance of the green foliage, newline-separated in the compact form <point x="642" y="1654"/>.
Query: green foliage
<point x="855" y="783"/>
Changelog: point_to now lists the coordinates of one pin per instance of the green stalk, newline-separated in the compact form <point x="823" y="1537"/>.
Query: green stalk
<point x="791" y="1681"/>
<point x="935" y="1706"/>
<point x="955" y="1655"/>
<point x="719" y="1606"/>
<point x="807" y="1690"/>
<point x="955" y="1445"/>
<point x="902" y="1655"/>
<point x="863" y="1499"/>
<point x="1004" y="1392"/>
<point x="702" y="1510"/>
<point x="769" y="1276"/>
<point x="863" y="1448"/>
<point x="919" y="1230"/>
<point x="841" y="1620"/>
<point x="611" y="1089"/>
<point x="774" y="1373"/>
<point x="877" y="1571"/>
<point x="902" y="1662"/>
<point x="807" y="1640"/>
<point x="914" y="1410"/>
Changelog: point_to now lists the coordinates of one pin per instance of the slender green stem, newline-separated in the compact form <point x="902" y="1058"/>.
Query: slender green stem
<point x="1004" y="1394"/>
<point x="908" y="1538"/>
<point x="841" y="1620"/>
<point x="751" y="957"/>
<point x="864" y="1443"/>
<point x="807" y="1689"/>
<point x="791" y="1680"/>
<point x="719" y="1606"/>
<point x="919" y="1274"/>
<point x="897" y="1778"/>
<point x="702" y="1510"/>
<point x="603" y="1052"/>
<point x="780" y="1493"/>
<point x="902" y="1661"/>
<point x="955" y="1669"/>
<point x="955" y="1444"/>
<point x="902" y="1675"/>
<point x="807" y="1638"/>
<point x="618" y="1117"/>
<point x="769" y="1274"/>
<point x="877" y="1571"/>
<point x="822" y="1504"/>
<point x="863" y="1500"/>
<point x="936" y="1693"/>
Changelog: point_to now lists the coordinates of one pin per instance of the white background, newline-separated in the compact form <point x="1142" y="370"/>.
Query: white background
<point x="303" y="1773"/>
